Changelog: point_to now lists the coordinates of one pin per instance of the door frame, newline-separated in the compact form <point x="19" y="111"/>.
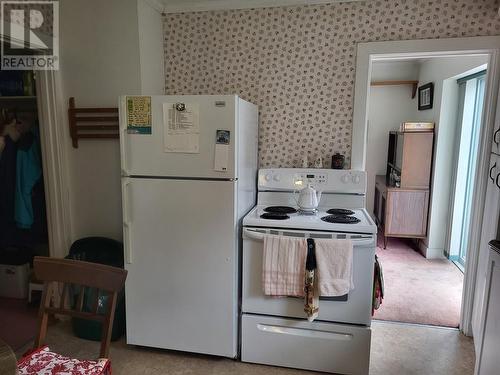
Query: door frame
<point x="53" y="139"/>
<point x="456" y="154"/>
<point x="366" y="54"/>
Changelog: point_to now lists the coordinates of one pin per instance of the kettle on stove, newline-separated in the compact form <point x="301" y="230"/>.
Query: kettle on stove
<point x="308" y="198"/>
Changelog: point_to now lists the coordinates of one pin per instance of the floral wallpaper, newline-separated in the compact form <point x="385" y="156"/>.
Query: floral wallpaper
<point x="298" y="63"/>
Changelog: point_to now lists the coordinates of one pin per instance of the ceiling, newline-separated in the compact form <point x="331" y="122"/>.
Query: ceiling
<point x="178" y="6"/>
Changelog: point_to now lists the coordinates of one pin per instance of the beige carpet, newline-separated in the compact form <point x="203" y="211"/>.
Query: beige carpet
<point x="418" y="290"/>
<point x="397" y="349"/>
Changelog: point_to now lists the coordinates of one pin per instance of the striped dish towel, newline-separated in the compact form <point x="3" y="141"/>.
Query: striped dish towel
<point x="283" y="266"/>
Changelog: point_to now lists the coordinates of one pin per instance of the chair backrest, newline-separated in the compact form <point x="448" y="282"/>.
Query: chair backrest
<point x="107" y="279"/>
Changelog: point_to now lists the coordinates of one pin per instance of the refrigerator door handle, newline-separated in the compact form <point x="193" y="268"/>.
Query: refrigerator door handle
<point x="126" y="223"/>
<point x="123" y="139"/>
<point x="127" y="244"/>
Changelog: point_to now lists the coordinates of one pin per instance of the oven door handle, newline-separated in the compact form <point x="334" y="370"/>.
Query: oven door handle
<point x="259" y="236"/>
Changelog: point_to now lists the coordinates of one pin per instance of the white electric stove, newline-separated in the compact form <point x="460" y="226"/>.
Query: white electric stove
<point x="275" y="331"/>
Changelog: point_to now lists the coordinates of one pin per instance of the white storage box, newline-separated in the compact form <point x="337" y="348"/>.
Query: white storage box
<point x="14" y="280"/>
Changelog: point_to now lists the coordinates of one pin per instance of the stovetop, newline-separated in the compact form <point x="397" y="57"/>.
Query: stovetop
<point x="358" y="222"/>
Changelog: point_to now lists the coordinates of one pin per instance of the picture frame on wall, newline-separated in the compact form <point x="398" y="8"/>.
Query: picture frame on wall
<point x="425" y="96"/>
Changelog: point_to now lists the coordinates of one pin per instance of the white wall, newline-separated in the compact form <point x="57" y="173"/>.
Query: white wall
<point x="389" y="106"/>
<point x="443" y="72"/>
<point x="101" y="59"/>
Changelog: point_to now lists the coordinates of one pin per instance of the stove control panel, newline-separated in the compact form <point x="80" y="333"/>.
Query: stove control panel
<point x="326" y="180"/>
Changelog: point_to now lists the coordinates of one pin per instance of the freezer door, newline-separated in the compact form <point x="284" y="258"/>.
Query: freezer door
<point x="181" y="255"/>
<point x="146" y="154"/>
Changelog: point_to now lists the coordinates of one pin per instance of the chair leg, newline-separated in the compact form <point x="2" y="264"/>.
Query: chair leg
<point x="385" y="242"/>
<point x="107" y="327"/>
<point x="43" y="316"/>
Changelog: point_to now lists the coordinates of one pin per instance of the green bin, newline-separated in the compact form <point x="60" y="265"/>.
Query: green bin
<point x="103" y="251"/>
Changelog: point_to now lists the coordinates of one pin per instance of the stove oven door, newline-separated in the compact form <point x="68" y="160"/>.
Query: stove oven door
<point x="355" y="308"/>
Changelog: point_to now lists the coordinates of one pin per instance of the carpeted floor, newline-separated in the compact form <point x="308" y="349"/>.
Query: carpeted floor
<point x="418" y="290"/>
<point x="396" y="349"/>
<point x="18" y="322"/>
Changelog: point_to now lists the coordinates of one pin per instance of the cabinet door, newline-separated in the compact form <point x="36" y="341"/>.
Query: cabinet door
<point x="488" y="232"/>
<point x="489" y="361"/>
<point x="417" y="160"/>
<point x="406" y="213"/>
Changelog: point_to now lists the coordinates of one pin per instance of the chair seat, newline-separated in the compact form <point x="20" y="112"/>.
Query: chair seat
<point x="44" y="362"/>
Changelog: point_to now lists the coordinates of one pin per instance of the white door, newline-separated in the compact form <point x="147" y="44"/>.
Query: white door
<point x="145" y="154"/>
<point x="181" y="255"/>
<point x="488" y="232"/>
<point x="488" y="362"/>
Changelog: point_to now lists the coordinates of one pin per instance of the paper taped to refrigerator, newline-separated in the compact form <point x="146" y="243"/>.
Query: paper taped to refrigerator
<point x="182" y="128"/>
<point x="138" y="114"/>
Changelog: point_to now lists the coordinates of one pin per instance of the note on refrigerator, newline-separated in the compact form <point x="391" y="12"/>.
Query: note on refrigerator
<point x="222" y="140"/>
<point x="138" y="114"/>
<point x="181" y="128"/>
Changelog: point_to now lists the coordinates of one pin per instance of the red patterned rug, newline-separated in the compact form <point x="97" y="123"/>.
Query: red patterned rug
<point x="418" y="290"/>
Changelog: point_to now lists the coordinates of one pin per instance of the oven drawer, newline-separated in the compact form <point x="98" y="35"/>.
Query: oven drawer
<point x="356" y="310"/>
<point x="318" y="346"/>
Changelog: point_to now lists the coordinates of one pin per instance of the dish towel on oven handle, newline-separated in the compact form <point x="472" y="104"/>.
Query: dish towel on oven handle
<point x="311" y="306"/>
<point x="378" y="286"/>
<point x="335" y="267"/>
<point x="283" y="265"/>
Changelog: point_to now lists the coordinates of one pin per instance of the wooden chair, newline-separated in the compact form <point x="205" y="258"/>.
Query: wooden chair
<point x="109" y="280"/>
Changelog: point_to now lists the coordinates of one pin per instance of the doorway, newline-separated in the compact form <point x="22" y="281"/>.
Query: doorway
<point x="23" y="218"/>
<point x="489" y="46"/>
<point x="410" y="176"/>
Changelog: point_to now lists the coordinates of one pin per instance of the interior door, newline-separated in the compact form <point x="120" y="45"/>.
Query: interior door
<point x="148" y="155"/>
<point x="488" y="232"/>
<point x="181" y="254"/>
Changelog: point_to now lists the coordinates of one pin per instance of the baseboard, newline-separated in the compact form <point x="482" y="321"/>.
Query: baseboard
<point x="430" y="253"/>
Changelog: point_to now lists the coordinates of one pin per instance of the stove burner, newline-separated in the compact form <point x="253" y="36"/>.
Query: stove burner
<point x="339" y="211"/>
<point x="340" y="219"/>
<point x="274" y="216"/>
<point x="280" y="209"/>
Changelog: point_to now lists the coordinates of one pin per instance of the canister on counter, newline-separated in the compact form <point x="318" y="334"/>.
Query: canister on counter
<point x="338" y="161"/>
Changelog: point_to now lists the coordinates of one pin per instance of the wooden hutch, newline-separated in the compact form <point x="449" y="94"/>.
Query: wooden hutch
<point x="402" y="196"/>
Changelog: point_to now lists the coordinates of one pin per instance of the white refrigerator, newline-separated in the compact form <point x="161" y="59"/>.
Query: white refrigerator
<point x="189" y="166"/>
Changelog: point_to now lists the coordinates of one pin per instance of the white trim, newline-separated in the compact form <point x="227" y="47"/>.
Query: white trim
<point x="479" y="193"/>
<point x="430" y="253"/>
<point x="181" y="6"/>
<point x="369" y="52"/>
<point x="54" y="162"/>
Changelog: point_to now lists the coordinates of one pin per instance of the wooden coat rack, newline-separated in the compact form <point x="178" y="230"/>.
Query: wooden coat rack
<point x="92" y="123"/>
